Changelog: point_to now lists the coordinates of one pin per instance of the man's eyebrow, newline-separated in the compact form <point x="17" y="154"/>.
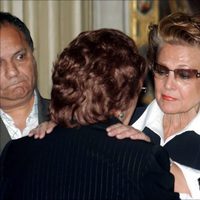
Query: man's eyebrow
<point x="19" y="51"/>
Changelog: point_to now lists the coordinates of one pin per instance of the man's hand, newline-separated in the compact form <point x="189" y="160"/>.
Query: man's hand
<point x="42" y="129"/>
<point x="121" y="131"/>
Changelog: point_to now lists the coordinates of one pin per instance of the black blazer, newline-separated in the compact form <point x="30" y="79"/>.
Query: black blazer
<point x="43" y="115"/>
<point x="84" y="164"/>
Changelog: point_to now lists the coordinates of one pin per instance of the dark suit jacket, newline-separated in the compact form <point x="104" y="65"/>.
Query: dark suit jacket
<point x="43" y="115"/>
<point x="84" y="164"/>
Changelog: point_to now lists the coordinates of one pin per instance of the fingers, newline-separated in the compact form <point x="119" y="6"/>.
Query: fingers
<point x="113" y="127"/>
<point x="121" y="131"/>
<point x="140" y="136"/>
<point x="41" y="130"/>
<point x="118" y="130"/>
<point x="50" y="127"/>
<point x="126" y="133"/>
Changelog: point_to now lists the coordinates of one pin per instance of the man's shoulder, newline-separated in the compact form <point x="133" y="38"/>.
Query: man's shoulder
<point x="43" y="107"/>
<point x="41" y="99"/>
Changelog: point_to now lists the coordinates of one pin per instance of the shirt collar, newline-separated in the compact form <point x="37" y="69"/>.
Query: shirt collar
<point x="34" y="110"/>
<point x="153" y="116"/>
<point x="31" y="121"/>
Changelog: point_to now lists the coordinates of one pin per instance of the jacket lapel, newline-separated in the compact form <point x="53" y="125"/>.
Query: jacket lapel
<point x="4" y="135"/>
<point x="43" y="108"/>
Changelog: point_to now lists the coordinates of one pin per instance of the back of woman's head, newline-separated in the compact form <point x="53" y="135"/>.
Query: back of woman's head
<point x="176" y="28"/>
<point x="99" y="72"/>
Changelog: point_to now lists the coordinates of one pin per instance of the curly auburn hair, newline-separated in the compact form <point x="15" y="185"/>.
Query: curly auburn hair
<point x="176" y="28"/>
<point x="99" y="72"/>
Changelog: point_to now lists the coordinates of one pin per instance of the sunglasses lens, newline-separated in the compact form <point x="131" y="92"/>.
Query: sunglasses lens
<point x="185" y="73"/>
<point x="160" y="71"/>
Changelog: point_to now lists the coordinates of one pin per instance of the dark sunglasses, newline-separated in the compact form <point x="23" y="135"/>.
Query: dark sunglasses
<point x="161" y="71"/>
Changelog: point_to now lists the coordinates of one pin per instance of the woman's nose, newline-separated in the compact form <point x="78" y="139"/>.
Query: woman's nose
<point x="170" y="81"/>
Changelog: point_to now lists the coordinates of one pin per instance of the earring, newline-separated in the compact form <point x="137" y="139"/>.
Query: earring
<point x="144" y="89"/>
<point x="121" y="116"/>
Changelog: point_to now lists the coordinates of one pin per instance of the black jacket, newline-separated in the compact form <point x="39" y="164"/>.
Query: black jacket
<point x="84" y="164"/>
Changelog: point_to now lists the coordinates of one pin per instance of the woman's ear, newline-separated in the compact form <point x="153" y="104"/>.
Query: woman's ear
<point x="120" y="115"/>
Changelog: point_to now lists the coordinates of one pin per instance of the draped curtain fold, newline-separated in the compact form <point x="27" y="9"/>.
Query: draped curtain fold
<point x="53" y="24"/>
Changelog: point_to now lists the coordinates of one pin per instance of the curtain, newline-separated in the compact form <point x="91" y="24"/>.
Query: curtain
<point x="53" y="24"/>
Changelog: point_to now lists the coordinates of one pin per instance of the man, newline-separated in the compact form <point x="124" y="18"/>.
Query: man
<point x="21" y="106"/>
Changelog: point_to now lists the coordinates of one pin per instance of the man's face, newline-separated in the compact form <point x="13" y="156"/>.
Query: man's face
<point x="17" y="68"/>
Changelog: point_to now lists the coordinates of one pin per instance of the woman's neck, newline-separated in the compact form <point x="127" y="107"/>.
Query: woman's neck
<point x="173" y="123"/>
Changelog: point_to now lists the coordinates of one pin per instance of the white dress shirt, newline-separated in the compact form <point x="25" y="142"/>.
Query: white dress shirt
<point x="31" y="122"/>
<point x="153" y="119"/>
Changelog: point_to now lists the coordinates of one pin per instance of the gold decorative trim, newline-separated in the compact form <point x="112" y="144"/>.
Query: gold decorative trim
<point x="143" y="12"/>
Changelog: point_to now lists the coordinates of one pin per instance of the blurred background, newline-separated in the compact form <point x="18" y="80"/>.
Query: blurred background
<point x="54" y="23"/>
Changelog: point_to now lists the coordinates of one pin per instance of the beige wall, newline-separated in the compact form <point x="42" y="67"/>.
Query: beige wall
<point x="53" y="24"/>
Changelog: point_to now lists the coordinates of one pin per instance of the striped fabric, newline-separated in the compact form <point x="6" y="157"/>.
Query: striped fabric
<point x="84" y="164"/>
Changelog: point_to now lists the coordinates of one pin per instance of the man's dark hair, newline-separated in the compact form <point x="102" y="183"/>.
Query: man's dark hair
<point x="7" y="18"/>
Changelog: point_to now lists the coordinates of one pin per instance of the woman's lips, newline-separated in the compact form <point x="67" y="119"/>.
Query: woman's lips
<point x="168" y="98"/>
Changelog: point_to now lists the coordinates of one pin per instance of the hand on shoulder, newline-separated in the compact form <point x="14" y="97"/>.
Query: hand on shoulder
<point x="121" y="131"/>
<point x="42" y="129"/>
